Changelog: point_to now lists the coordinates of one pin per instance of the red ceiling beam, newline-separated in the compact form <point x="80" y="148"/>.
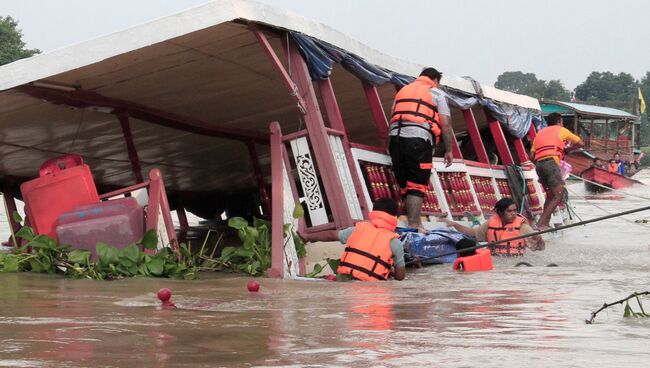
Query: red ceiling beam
<point x="94" y="101"/>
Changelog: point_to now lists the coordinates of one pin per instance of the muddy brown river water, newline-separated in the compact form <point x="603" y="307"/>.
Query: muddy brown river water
<point x="510" y="317"/>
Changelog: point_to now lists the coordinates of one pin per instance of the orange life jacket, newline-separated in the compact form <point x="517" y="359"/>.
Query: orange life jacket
<point x="548" y="143"/>
<point x="367" y="255"/>
<point x="413" y="104"/>
<point x="613" y="167"/>
<point x="498" y="231"/>
<point x="481" y="261"/>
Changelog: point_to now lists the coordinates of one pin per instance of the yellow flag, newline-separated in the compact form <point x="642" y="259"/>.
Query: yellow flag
<point x="641" y="102"/>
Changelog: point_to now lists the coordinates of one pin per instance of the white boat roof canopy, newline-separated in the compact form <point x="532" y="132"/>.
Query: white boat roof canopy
<point x="189" y="82"/>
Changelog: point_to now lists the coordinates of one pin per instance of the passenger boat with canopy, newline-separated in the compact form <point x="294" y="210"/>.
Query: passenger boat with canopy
<point x="247" y="110"/>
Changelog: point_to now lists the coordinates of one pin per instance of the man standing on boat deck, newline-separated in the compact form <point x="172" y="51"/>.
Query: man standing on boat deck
<point x="546" y="151"/>
<point x="420" y="116"/>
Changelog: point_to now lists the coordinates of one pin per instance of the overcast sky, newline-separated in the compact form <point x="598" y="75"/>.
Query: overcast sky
<point x="555" y="39"/>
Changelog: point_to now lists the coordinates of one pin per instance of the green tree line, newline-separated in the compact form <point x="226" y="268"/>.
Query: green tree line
<point x="12" y="47"/>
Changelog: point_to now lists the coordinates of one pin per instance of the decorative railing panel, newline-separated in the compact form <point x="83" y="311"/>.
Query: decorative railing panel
<point x="458" y="193"/>
<point x="290" y="263"/>
<point x="504" y="187"/>
<point x="313" y="194"/>
<point x="487" y="197"/>
<point x="346" y="177"/>
<point x="532" y="197"/>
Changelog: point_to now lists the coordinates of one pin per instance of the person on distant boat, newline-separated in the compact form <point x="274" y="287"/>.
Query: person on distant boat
<point x="546" y="151"/>
<point x="620" y="168"/>
<point x="506" y="223"/>
<point x="373" y="250"/>
<point x="420" y="116"/>
<point x="613" y="166"/>
<point x="597" y="163"/>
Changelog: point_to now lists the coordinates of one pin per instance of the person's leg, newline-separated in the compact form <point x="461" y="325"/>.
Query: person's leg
<point x="550" y="177"/>
<point x="397" y="160"/>
<point x="414" y="210"/>
<point x="553" y="199"/>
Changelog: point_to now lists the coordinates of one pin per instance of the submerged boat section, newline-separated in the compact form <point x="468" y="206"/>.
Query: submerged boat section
<point x="247" y="110"/>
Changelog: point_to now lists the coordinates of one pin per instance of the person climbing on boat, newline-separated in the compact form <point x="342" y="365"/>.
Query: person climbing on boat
<point x="504" y="224"/>
<point x="373" y="250"/>
<point x="420" y="116"/>
<point x="546" y="151"/>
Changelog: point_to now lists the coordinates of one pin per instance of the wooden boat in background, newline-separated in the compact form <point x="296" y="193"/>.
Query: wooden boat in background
<point x="605" y="178"/>
<point x="605" y="131"/>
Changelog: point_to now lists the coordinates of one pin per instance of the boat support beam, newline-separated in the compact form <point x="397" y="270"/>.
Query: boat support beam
<point x="93" y="101"/>
<point x="499" y="139"/>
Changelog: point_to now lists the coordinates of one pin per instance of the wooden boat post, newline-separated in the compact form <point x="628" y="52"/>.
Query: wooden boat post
<point x="499" y="139"/>
<point x="475" y="136"/>
<point x="130" y="146"/>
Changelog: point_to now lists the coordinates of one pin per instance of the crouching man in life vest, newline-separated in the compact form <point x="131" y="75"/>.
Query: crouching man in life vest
<point x="506" y="223"/>
<point x="373" y="251"/>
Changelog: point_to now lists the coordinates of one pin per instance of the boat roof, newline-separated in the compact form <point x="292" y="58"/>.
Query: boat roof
<point x="180" y="77"/>
<point x="584" y="109"/>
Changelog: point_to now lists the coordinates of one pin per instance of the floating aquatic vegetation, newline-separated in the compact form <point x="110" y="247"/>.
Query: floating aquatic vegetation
<point x="254" y="255"/>
<point x="628" y="311"/>
<point x="42" y="254"/>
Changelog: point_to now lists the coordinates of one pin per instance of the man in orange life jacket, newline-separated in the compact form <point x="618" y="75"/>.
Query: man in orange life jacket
<point x="546" y="151"/>
<point x="420" y="116"/>
<point x="504" y="224"/>
<point x="373" y="251"/>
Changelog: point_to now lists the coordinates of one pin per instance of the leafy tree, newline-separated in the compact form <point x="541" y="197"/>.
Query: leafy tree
<point x="554" y="90"/>
<point x="528" y="84"/>
<point x="615" y="90"/>
<point x="522" y="83"/>
<point x="12" y="47"/>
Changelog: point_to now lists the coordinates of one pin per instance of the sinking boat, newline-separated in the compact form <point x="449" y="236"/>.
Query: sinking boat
<point x="246" y="110"/>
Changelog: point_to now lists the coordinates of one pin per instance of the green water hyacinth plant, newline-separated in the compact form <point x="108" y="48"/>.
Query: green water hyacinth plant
<point x="42" y="254"/>
<point x="254" y="255"/>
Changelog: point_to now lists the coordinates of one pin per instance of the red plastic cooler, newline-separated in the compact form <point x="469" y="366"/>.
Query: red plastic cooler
<point x="64" y="184"/>
<point x="118" y="222"/>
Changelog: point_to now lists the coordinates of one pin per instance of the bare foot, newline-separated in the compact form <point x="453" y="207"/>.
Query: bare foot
<point x="541" y="227"/>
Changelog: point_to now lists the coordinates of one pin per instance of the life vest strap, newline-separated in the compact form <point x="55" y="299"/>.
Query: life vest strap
<point x="361" y="269"/>
<point x="504" y="228"/>
<point x="401" y="124"/>
<point x="417" y="101"/>
<point x="429" y="118"/>
<point x="373" y="257"/>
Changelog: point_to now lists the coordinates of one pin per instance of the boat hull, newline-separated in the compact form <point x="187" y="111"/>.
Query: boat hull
<point x="606" y="179"/>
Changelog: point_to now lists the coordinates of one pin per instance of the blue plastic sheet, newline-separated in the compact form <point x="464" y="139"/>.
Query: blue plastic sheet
<point x="321" y="56"/>
<point x="433" y="243"/>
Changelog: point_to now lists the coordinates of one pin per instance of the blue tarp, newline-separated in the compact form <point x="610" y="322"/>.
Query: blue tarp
<point x="433" y="243"/>
<point x="321" y="56"/>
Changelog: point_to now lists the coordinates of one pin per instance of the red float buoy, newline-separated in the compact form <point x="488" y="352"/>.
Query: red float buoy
<point x="253" y="286"/>
<point x="164" y="295"/>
